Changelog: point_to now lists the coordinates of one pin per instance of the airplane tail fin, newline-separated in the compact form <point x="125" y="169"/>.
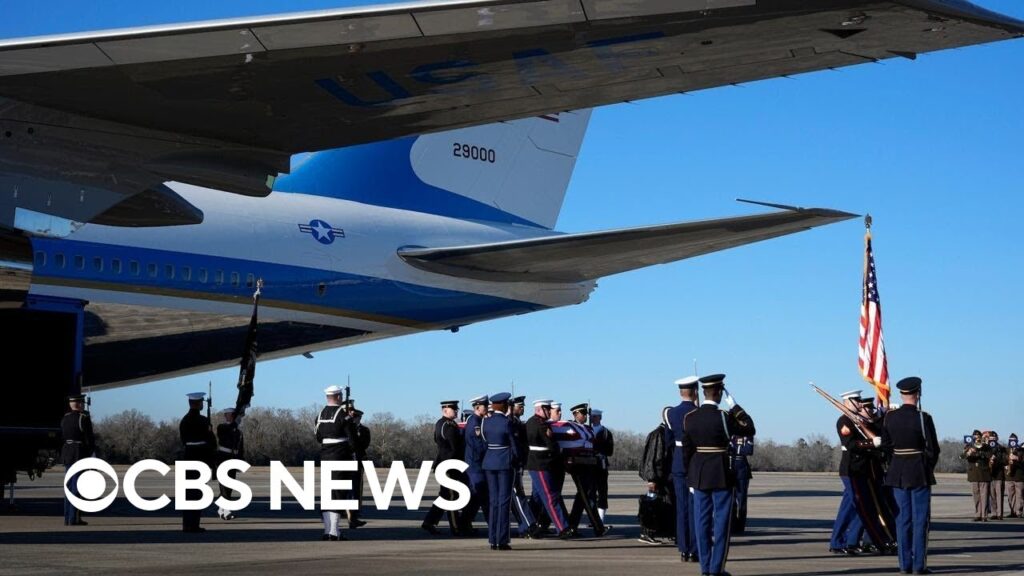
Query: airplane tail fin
<point x="512" y="172"/>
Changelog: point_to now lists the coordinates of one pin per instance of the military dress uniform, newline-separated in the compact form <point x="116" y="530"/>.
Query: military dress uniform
<point x="520" y="500"/>
<point x="334" y="433"/>
<point x="200" y="445"/>
<point x="686" y="540"/>
<point x="450" y="446"/>
<point x="908" y="433"/>
<point x="581" y="464"/>
<point x="77" y="443"/>
<point x="231" y="446"/>
<point x="543" y="462"/>
<point x="707" y="432"/>
<point x="498" y="462"/>
<point x="847" y="528"/>
<point x="361" y="446"/>
<point x="477" y="480"/>
<point x="977" y="455"/>
<point x="741" y="446"/>
<point x="604" y="448"/>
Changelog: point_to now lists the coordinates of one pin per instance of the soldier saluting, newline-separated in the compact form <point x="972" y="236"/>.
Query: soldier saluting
<point x="77" y="442"/>
<point x="200" y="444"/>
<point x="707" y="434"/>
<point x="908" y="433"/>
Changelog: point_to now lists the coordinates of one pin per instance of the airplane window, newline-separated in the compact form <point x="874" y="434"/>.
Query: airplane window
<point x="97" y="263"/>
<point x="40" y="258"/>
<point x="152" y="270"/>
<point x="186" y="273"/>
<point x="115" y="265"/>
<point x="234" y="278"/>
<point x="220" y="277"/>
<point x="133" y="267"/>
<point x="58" y="260"/>
<point x="321" y="289"/>
<point x="80" y="262"/>
<point x="250" y="280"/>
<point x="169" y="271"/>
<point x="202" y="275"/>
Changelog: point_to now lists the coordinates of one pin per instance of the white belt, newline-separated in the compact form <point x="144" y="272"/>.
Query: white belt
<point x="679" y="443"/>
<point x="226" y="449"/>
<point x="201" y="443"/>
<point x="334" y="440"/>
<point x="844" y="448"/>
<point x="539" y="448"/>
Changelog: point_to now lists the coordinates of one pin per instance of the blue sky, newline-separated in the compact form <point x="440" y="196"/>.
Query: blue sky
<point x="931" y="148"/>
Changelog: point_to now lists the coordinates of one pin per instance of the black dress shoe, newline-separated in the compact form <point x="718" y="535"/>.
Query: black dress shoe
<point x="325" y="537"/>
<point x="684" y="557"/>
<point x="80" y="522"/>
<point x="504" y="547"/>
<point x="356" y="524"/>
<point x="431" y="529"/>
<point x="693" y="557"/>
<point x="494" y="547"/>
<point x="924" y="571"/>
<point x="565" y="534"/>
<point x="196" y="530"/>
<point x="868" y="549"/>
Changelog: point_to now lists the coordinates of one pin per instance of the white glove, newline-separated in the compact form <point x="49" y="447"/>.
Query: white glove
<point x="727" y="398"/>
<point x="877" y="441"/>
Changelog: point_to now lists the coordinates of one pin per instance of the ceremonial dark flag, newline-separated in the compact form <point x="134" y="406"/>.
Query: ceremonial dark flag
<point x="247" y="367"/>
<point x="871" y="360"/>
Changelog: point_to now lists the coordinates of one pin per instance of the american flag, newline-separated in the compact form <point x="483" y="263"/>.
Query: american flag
<point x="871" y="359"/>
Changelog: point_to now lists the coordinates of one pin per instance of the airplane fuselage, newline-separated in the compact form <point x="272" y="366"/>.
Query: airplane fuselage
<point x="323" y="261"/>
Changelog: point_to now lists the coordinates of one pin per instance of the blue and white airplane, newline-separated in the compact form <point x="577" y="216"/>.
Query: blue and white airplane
<point x="384" y="170"/>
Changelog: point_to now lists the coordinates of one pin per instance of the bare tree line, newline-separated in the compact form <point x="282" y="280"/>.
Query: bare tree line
<point x="287" y="435"/>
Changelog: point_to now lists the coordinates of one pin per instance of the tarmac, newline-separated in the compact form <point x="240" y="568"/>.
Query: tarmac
<point x="790" y="519"/>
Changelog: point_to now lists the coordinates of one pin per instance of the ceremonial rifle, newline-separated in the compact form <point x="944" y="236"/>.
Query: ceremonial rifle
<point x="857" y="419"/>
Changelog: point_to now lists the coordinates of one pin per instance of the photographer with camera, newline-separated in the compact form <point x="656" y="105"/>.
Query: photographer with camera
<point x="978" y="454"/>
<point x="1015" y="478"/>
<point x="997" y="463"/>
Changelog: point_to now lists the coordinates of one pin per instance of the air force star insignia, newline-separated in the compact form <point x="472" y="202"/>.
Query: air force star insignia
<point x="321" y="231"/>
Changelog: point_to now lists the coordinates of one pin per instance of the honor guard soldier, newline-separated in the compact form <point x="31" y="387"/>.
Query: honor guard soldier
<point x="450" y="446"/>
<point x="520" y="501"/>
<point x="543" y="459"/>
<point x="741" y="447"/>
<point x="231" y="446"/>
<point x="581" y="464"/>
<point x="604" y="446"/>
<point x="334" y="433"/>
<point x="707" y="433"/>
<point x="847" y="528"/>
<point x="977" y="453"/>
<point x="908" y="433"/>
<point x="200" y="445"/>
<point x="686" y="540"/>
<point x="361" y="447"/>
<point x="497" y="433"/>
<point x="475" y="450"/>
<point x="77" y="443"/>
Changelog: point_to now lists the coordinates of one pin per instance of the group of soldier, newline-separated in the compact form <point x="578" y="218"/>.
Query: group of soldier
<point x="498" y="447"/>
<point x="702" y="471"/>
<point x="994" y="470"/>
<point x="887" y="469"/>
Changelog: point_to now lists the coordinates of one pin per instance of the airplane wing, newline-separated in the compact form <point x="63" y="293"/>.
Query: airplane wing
<point x="225" y="103"/>
<point x="592" y="255"/>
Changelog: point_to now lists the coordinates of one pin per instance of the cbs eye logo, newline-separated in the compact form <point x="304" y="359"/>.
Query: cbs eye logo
<point x="87" y="475"/>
